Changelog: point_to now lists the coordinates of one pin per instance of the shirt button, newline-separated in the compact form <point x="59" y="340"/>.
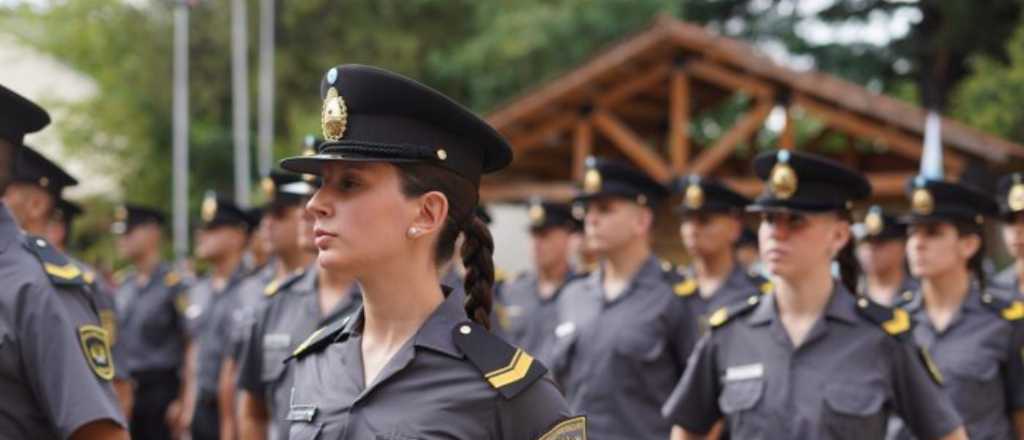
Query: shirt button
<point x="465" y="329"/>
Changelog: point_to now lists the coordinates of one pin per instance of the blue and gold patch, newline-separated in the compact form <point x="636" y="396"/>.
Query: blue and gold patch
<point x="571" y="429"/>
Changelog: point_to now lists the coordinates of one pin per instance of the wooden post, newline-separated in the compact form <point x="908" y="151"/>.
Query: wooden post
<point x="679" y="121"/>
<point x="582" y="146"/>
<point x="631" y="144"/>
<point x="787" y="139"/>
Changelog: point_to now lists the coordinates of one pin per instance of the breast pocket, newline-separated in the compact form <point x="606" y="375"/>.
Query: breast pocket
<point x="275" y="350"/>
<point x="304" y="431"/>
<point x="641" y="344"/>
<point x="975" y="388"/>
<point x="738" y="402"/>
<point x="854" y="412"/>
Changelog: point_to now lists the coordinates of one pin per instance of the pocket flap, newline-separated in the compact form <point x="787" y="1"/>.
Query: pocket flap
<point x="854" y="400"/>
<point x="740" y="395"/>
<point x="974" y="369"/>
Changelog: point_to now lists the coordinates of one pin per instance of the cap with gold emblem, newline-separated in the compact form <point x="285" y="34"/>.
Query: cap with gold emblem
<point x="19" y="116"/>
<point x="938" y="200"/>
<point x="284" y="189"/>
<point x="879" y="225"/>
<point x="796" y="181"/>
<point x="609" y="178"/>
<point x="217" y="211"/>
<point x="544" y="215"/>
<point x="128" y="216"/>
<point x="707" y="194"/>
<point x="373" y="115"/>
<point x="34" y="168"/>
<point x="1010" y="195"/>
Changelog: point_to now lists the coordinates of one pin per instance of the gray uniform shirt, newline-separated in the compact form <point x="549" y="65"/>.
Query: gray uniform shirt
<point x="619" y="360"/>
<point x="979" y="355"/>
<point x="282" y="322"/>
<point x="252" y="293"/>
<point x="842" y="382"/>
<point x="152" y="321"/>
<point x="527" y="319"/>
<point x="737" y="287"/>
<point x="48" y="385"/>
<point x="214" y="317"/>
<point x="1007" y="279"/>
<point x="428" y="390"/>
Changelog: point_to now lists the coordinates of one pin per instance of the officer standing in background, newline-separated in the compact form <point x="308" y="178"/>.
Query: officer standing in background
<point x="529" y="310"/>
<point x="58" y="229"/>
<point x="56" y="365"/>
<point x="294" y="309"/>
<point x="810" y="360"/>
<point x="151" y="303"/>
<point x="712" y="222"/>
<point x="624" y="334"/>
<point x="213" y="314"/>
<point x="1010" y="195"/>
<point x="881" y="252"/>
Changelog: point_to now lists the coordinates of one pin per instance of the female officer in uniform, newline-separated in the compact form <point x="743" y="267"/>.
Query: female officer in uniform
<point x="974" y="335"/>
<point x="810" y="360"/>
<point x="401" y="166"/>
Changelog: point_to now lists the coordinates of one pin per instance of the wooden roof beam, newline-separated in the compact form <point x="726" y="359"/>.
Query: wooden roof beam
<point x="728" y="78"/>
<point x="631" y="144"/>
<point x="634" y="86"/>
<point x="725" y="145"/>
<point x="492" y="192"/>
<point x="863" y="128"/>
<point x="535" y="138"/>
<point x="679" y="121"/>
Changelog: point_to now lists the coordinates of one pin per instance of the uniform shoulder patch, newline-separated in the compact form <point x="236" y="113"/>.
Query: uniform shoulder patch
<point x="507" y="368"/>
<point x="725" y="314"/>
<point x="571" y="429"/>
<point x="58" y="267"/>
<point x="893" y="320"/>
<point x="1010" y="310"/>
<point x="319" y="339"/>
<point x="96" y="347"/>
<point x="763" y="284"/>
<point x="685" y="287"/>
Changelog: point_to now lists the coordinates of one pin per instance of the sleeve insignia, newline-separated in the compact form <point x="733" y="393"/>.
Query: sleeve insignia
<point x="894" y="321"/>
<point x="725" y="314"/>
<point x="571" y="429"/>
<point x="685" y="288"/>
<point x="96" y="347"/>
<point x="58" y="267"/>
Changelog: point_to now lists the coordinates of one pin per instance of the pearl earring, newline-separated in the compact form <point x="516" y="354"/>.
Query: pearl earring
<point x="412" y="232"/>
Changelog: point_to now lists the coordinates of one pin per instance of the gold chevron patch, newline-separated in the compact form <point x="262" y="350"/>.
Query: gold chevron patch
<point x="67" y="272"/>
<point x="1014" y="312"/>
<point x="899" y="323"/>
<point x="513" y="372"/>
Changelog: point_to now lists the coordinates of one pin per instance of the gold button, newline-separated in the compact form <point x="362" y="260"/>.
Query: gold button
<point x="986" y="298"/>
<point x="862" y="303"/>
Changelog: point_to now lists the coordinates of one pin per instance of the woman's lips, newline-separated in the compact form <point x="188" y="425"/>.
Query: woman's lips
<point x="321" y="237"/>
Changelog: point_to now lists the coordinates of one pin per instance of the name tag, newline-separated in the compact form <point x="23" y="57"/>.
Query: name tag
<point x="277" y="341"/>
<point x="301" y="413"/>
<point x="744" y="372"/>
<point x="565" y="329"/>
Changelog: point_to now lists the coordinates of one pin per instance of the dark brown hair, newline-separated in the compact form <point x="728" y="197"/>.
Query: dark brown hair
<point x="849" y="267"/>
<point x="477" y="246"/>
<point x="976" y="263"/>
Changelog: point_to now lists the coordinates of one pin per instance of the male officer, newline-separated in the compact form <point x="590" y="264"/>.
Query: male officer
<point x="529" y="310"/>
<point x="55" y="366"/>
<point x="214" y="314"/>
<point x="151" y="304"/>
<point x="624" y="333"/>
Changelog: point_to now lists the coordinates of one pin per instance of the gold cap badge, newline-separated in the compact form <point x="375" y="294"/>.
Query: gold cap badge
<point x="592" y="181"/>
<point x="536" y="213"/>
<point x="267" y="184"/>
<point x="921" y="201"/>
<point x="1015" y="199"/>
<point x="209" y="207"/>
<point x="783" y="181"/>
<point x="694" y="197"/>
<point x="874" y="223"/>
<point x="334" y="116"/>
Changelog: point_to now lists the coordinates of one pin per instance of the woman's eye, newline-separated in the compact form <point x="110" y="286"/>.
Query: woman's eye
<point x="347" y="183"/>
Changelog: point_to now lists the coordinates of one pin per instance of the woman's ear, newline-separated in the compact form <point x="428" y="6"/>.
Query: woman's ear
<point x="430" y="216"/>
<point x="968" y="245"/>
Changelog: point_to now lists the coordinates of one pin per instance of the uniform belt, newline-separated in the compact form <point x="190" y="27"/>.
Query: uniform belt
<point x="153" y="376"/>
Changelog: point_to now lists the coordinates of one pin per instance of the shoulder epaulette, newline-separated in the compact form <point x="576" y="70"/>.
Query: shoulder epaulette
<point x="670" y="272"/>
<point x="1010" y="310"/>
<point x="58" y="267"/>
<point x="764" y="285"/>
<point x="319" y="339"/>
<point x="727" y="313"/>
<point x="894" y="321"/>
<point x="276" y="285"/>
<point x="685" y="287"/>
<point x="508" y="369"/>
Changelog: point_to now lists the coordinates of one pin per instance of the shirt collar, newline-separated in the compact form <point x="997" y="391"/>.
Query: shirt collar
<point x="436" y="331"/>
<point x="842" y="306"/>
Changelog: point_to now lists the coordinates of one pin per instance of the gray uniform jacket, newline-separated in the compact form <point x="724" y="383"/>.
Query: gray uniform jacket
<point x="619" y="360"/>
<point x="979" y="356"/>
<point x="289" y="316"/>
<point x="253" y="291"/>
<point x="452" y="380"/>
<point x="528" y="320"/>
<point x="737" y="287"/>
<point x="1007" y="279"/>
<point x="213" y="317"/>
<point x="153" y="331"/>
<point x="55" y="359"/>
<point x="856" y="366"/>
